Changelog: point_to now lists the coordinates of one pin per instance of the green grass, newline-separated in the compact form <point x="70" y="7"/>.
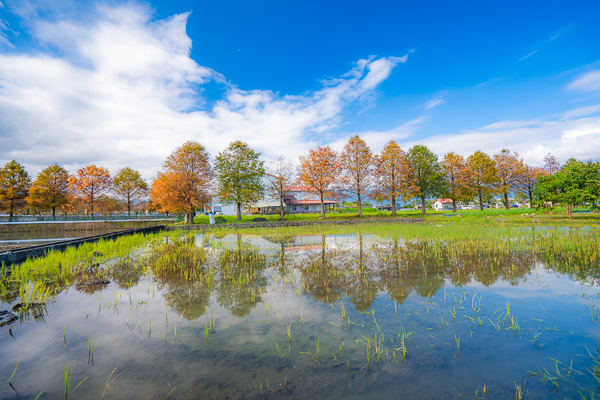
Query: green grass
<point x="511" y="215"/>
<point x="313" y="217"/>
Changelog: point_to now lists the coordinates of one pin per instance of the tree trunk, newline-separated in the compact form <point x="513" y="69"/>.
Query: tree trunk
<point x="11" y="210"/>
<point x="281" y="214"/>
<point x="53" y="213"/>
<point x="359" y="205"/>
<point x="128" y="207"/>
<point x="506" y="205"/>
<point x="360" y="250"/>
<point x="480" y="201"/>
<point x="322" y="207"/>
<point x="530" y="198"/>
<point x="322" y="250"/>
<point x="569" y="207"/>
<point x="239" y="212"/>
<point x="393" y="206"/>
<point x="423" y="211"/>
<point x="453" y="205"/>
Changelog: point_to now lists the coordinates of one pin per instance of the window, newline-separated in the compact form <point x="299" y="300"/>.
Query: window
<point x="306" y="207"/>
<point x="217" y="209"/>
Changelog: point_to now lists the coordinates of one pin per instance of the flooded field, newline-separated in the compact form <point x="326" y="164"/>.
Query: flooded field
<point x="414" y="312"/>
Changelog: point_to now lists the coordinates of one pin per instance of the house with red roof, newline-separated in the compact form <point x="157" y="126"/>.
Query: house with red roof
<point x="442" y="205"/>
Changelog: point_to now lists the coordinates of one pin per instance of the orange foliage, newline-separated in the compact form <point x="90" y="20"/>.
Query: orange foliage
<point x="508" y="168"/>
<point x="358" y="165"/>
<point x="457" y="176"/>
<point x="395" y="176"/>
<point x="528" y="180"/>
<point x="320" y="169"/>
<point x="184" y="184"/>
<point x="89" y="184"/>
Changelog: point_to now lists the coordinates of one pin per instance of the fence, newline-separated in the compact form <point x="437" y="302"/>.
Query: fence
<point x="80" y="217"/>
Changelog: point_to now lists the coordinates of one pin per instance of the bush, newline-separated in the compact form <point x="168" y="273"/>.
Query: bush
<point x="220" y="219"/>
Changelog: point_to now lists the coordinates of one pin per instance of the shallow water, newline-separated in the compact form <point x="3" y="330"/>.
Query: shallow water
<point x="349" y="302"/>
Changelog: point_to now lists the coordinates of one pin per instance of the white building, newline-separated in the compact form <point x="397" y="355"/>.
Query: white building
<point x="442" y="205"/>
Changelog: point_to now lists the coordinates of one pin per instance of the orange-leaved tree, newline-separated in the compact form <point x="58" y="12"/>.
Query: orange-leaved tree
<point x="185" y="183"/>
<point x="320" y="169"/>
<point x="358" y="169"/>
<point x="90" y="184"/>
<point x="528" y="180"/>
<point x="508" y="170"/>
<point x="458" y="178"/>
<point x="50" y="189"/>
<point x="484" y="176"/>
<point x="395" y="177"/>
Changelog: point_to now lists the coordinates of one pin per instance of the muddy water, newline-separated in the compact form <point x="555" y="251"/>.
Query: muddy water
<point x="363" y="323"/>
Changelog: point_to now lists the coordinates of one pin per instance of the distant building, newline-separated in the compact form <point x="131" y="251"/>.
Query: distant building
<point x="304" y="199"/>
<point x="442" y="204"/>
<point x="387" y="207"/>
<point x="298" y="199"/>
<point x="512" y="203"/>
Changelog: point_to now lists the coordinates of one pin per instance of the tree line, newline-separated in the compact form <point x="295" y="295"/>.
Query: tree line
<point x="189" y="178"/>
<point x="55" y="189"/>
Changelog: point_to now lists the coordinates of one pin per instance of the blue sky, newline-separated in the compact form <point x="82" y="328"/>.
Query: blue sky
<point x="124" y="83"/>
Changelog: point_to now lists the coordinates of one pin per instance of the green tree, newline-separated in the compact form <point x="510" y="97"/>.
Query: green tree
<point x="428" y="173"/>
<point x="575" y="183"/>
<point x="14" y="187"/>
<point x="239" y="172"/>
<point x="129" y="186"/>
<point x="50" y="189"/>
<point x="484" y="176"/>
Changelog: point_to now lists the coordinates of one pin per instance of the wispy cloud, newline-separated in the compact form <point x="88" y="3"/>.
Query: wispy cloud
<point x="545" y="42"/>
<point x="436" y="101"/>
<point x="121" y="89"/>
<point x="588" y="82"/>
<point x="378" y="139"/>
<point x="525" y="57"/>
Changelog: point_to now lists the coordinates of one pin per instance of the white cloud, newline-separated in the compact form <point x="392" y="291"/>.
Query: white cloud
<point x="122" y="90"/>
<point x="377" y="140"/>
<point x="587" y="82"/>
<point x="572" y="134"/>
<point x="436" y="101"/>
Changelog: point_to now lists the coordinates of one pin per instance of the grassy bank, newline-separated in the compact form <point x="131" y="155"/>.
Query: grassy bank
<point x="516" y="215"/>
